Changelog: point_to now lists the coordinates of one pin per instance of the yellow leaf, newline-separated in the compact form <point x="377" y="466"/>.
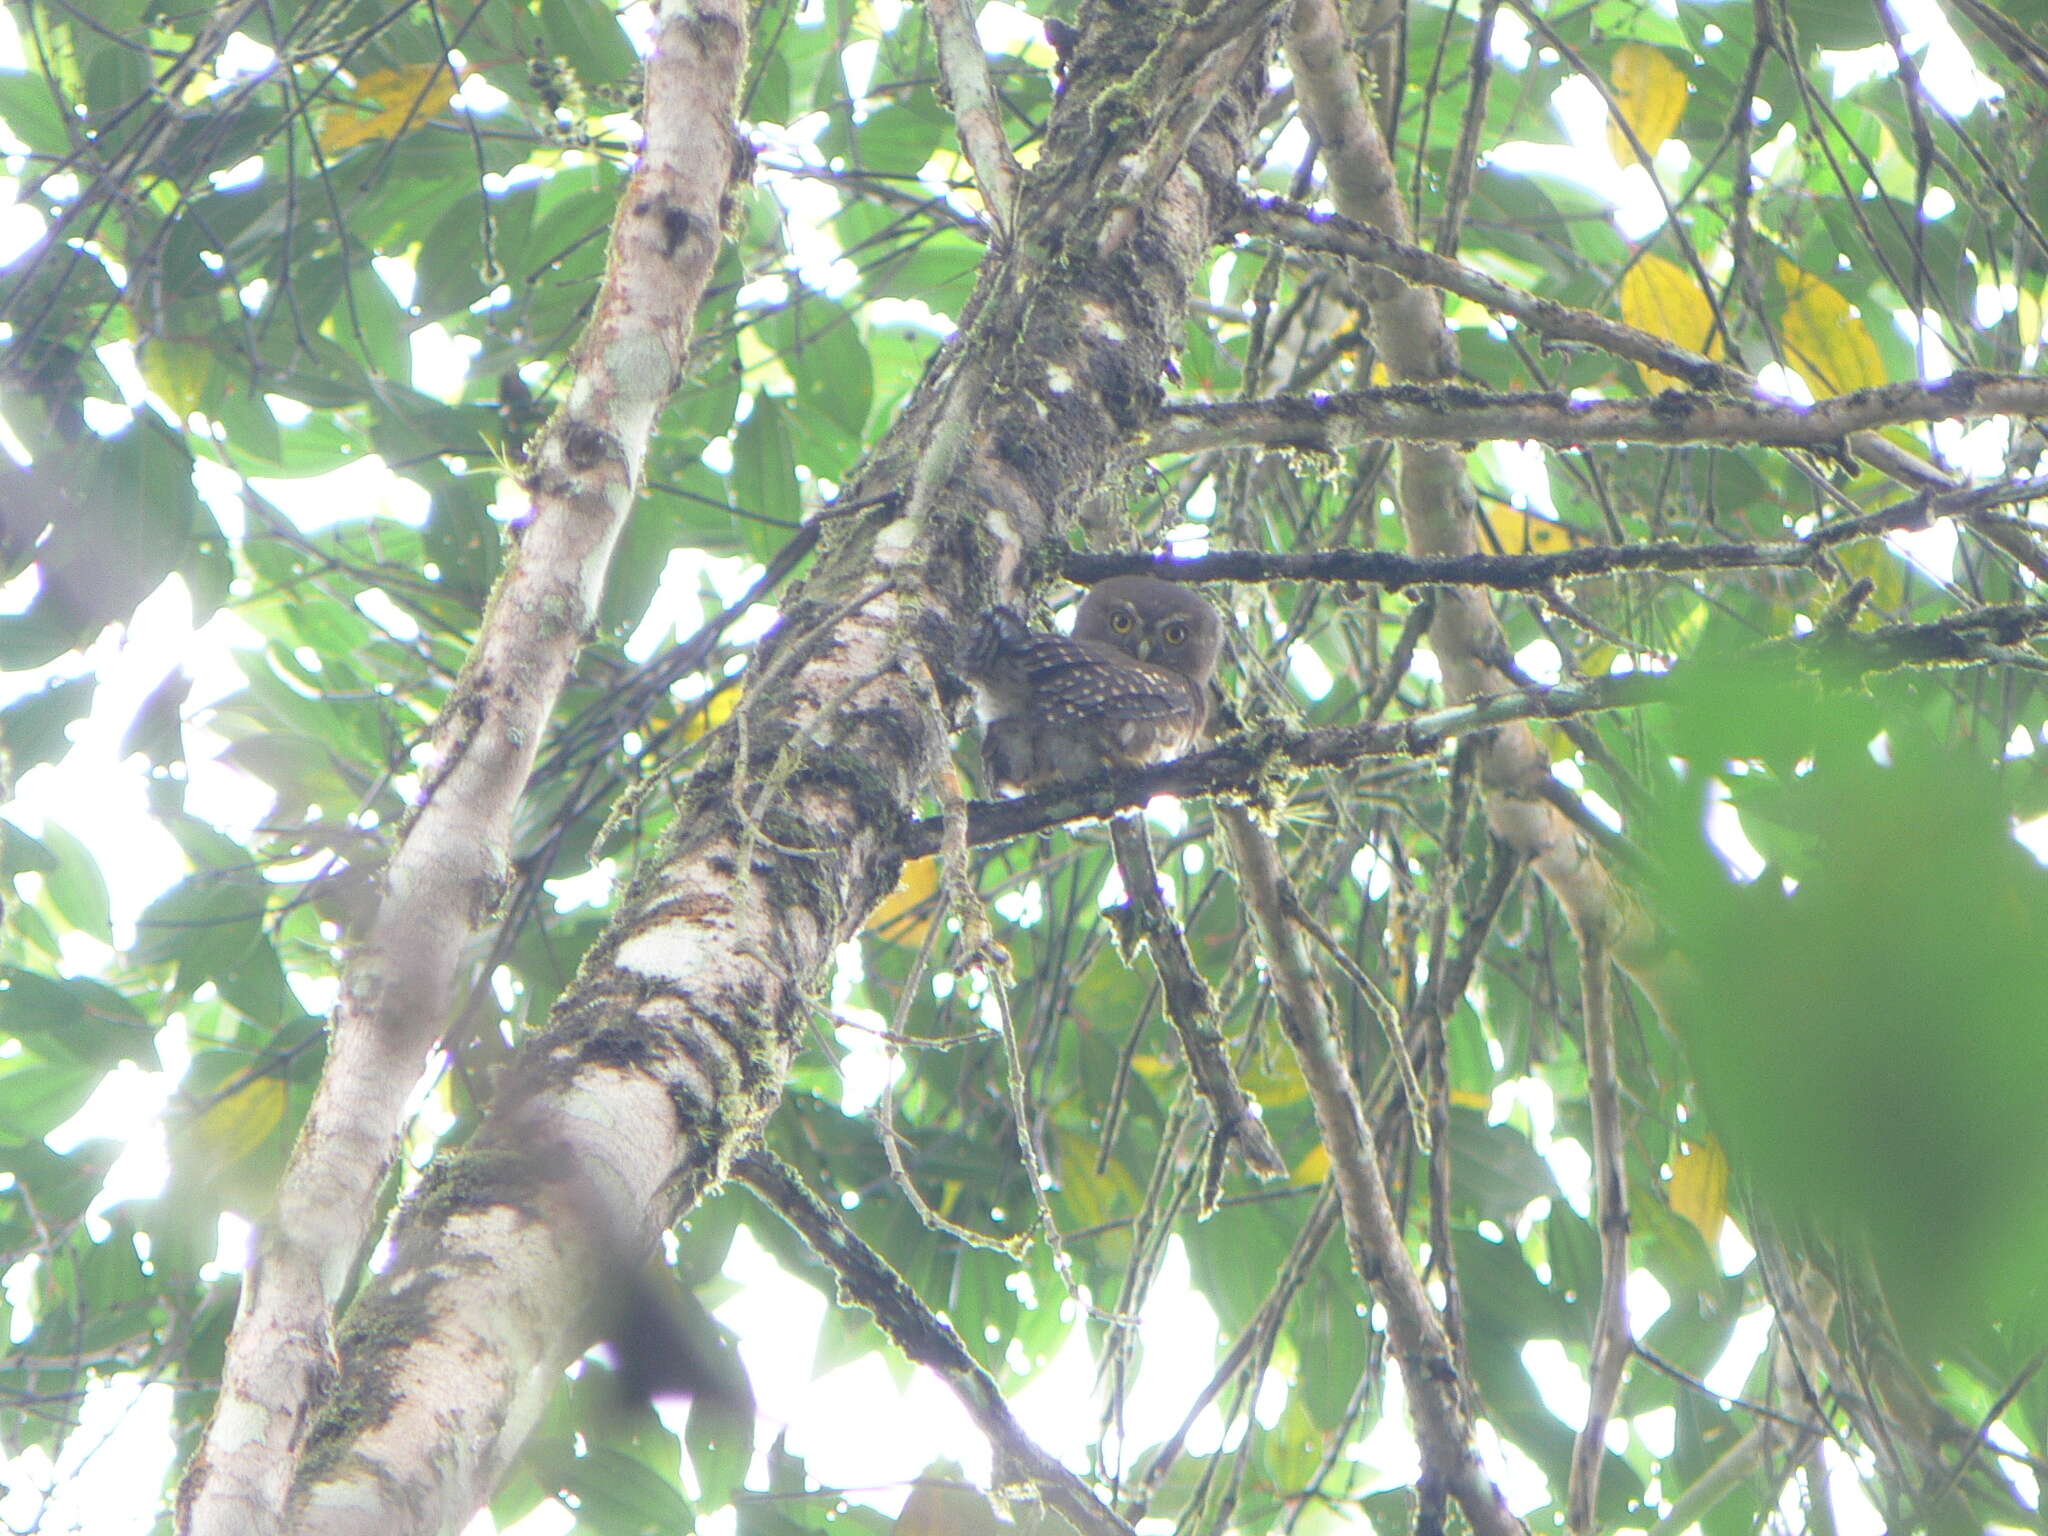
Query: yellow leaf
<point x="1699" y="1187"/>
<point x="1279" y="1084"/>
<point x="2031" y="315"/>
<point x="237" y="1124"/>
<point x="1650" y="91"/>
<point x="1466" y="1098"/>
<point x="1663" y="298"/>
<point x="1825" y="338"/>
<point x="1524" y="533"/>
<point x="1093" y="1198"/>
<point x="178" y="371"/>
<point x="1312" y="1169"/>
<point x="904" y="916"/>
<point x="1153" y="1067"/>
<point x="716" y="711"/>
<point x="386" y="103"/>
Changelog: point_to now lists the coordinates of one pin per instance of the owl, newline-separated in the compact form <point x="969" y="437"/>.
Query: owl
<point x="1130" y="686"/>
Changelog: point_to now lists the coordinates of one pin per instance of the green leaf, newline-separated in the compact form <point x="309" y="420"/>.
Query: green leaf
<point x="764" y="474"/>
<point x="35" y="727"/>
<point x="76" y="886"/>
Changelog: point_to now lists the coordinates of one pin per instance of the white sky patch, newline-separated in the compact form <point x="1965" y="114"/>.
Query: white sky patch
<point x="1369" y="866"/>
<point x="1511" y="39"/>
<point x="1734" y="1250"/>
<point x="1585" y="158"/>
<point x="1570" y="774"/>
<point x="399" y="275"/>
<point x="2033" y="836"/>
<point x="1746" y="1344"/>
<point x="776" y="1316"/>
<point x="21" y="227"/>
<point x="1311" y="675"/>
<point x="109" y="1478"/>
<point x="592" y="888"/>
<point x="440" y="362"/>
<point x="1725" y="832"/>
<point x="243" y="55"/>
<point x="1945" y="67"/>
<point x="1524" y="470"/>
<point x="1004" y="28"/>
<point x="1520" y="1480"/>
<point x="367" y="488"/>
<point x="1855" y="1515"/>
<point x="128" y="1103"/>
<point x="1647" y="1300"/>
<point x="1932" y="548"/>
<point x="233" y="1244"/>
<point x="1540" y="659"/>
<point x="1561" y="1384"/>
<point x="1388" y="1451"/>
<point x="869" y="1068"/>
<point x="1290" y="146"/>
<point x="1657" y="1429"/>
<point x="1572" y="1166"/>
<point x="677" y="607"/>
<point x="476" y="94"/>
<point x="92" y="792"/>
<point x="1777" y="382"/>
<point x="1177" y="1333"/>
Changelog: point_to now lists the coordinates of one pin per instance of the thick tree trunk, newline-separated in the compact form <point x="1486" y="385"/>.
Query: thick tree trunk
<point x="669" y="1051"/>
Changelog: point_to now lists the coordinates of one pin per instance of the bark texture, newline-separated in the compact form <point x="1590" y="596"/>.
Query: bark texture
<point x="448" y="871"/>
<point x="669" y="1050"/>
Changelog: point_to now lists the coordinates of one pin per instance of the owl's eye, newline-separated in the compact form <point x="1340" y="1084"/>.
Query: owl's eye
<point x="1175" y="633"/>
<point x="1121" y="621"/>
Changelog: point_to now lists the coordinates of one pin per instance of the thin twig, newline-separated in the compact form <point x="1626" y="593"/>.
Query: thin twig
<point x="1193" y="1012"/>
<point x="1611" y="1339"/>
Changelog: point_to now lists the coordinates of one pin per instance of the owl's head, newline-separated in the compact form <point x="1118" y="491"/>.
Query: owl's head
<point x="1160" y="622"/>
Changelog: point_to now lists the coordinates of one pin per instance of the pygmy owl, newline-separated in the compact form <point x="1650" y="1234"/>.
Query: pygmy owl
<point x="1130" y="686"/>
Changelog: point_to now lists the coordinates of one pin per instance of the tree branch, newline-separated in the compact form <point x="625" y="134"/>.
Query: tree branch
<point x="1611" y="1340"/>
<point x="977" y="111"/>
<point x="1393" y="570"/>
<point x="924" y="1337"/>
<point x="1379" y="1253"/>
<point x="1193" y="1012"/>
<point x="451" y="861"/>
<point x="668" y="1051"/>
<point x="1241" y="767"/>
<point x="1247" y="765"/>
<point x="1306" y="228"/>
<point x="1447" y="413"/>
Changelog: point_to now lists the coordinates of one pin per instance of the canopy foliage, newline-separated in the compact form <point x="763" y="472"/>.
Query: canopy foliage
<point x="278" y="320"/>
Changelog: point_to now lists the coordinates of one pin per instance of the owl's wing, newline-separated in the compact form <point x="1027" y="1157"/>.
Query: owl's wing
<point x="1081" y="683"/>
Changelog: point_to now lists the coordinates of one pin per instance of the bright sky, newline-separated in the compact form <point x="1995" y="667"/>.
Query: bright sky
<point x="854" y="1426"/>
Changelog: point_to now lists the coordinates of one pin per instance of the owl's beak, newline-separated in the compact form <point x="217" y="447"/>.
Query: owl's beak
<point x="1145" y="649"/>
